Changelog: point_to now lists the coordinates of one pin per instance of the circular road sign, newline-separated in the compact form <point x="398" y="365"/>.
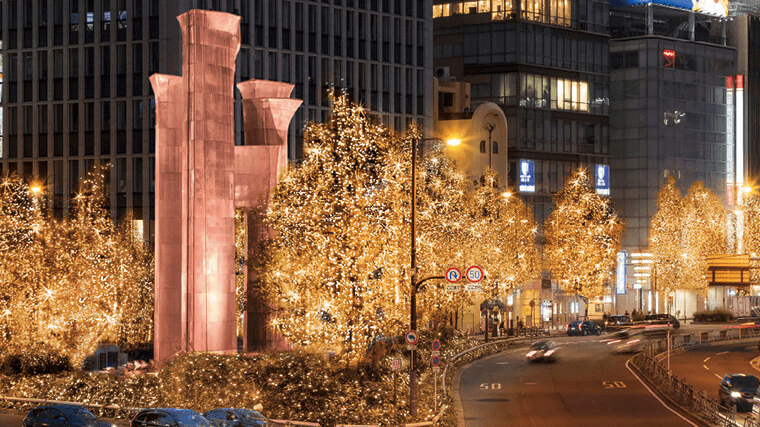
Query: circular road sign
<point x="436" y="360"/>
<point x="412" y="337"/>
<point x="436" y="345"/>
<point x="453" y="275"/>
<point x="474" y="274"/>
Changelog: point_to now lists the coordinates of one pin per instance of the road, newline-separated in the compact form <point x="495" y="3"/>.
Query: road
<point x="588" y="386"/>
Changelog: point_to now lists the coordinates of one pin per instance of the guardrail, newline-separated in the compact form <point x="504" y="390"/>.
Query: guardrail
<point x="650" y="363"/>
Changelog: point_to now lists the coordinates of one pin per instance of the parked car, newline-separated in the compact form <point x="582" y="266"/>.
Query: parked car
<point x="627" y="341"/>
<point x="63" y="415"/>
<point x="542" y="351"/>
<point x="617" y="323"/>
<point x="662" y="319"/>
<point x="236" y="417"/>
<point x="738" y="390"/>
<point x="169" y="417"/>
<point x="583" y="327"/>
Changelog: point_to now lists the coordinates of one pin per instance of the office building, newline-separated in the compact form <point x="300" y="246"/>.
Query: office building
<point x="77" y="94"/>
<point x="672" y="113"/>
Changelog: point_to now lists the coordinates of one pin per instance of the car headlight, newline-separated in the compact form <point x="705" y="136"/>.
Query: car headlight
<point x="736" y="394"/>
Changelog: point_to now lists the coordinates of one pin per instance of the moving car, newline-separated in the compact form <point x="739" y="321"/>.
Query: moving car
<point x="662" y="319"/>
<point x="583" y="327"/>
<point x="542" y="351"/>
<point x="236" y="417"/>
<point x="169" y="417"/>
<point x="63" y="415"/>
<point x="617" y="323"/>
<point x="627" y="341"/>
<point x="738" y="390"/>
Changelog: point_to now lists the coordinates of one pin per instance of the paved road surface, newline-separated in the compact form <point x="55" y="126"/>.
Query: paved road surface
<point x="588" y="386"/>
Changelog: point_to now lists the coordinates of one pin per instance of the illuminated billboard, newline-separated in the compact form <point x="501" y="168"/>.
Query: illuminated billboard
<point x="527" y="176"/>
<point x="708" y="7"/>
<point x="602" y="180"/>
<point x="620" y="277"/>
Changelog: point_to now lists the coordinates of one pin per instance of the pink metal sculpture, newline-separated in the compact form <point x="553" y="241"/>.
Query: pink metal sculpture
<point x="201" y="176"/>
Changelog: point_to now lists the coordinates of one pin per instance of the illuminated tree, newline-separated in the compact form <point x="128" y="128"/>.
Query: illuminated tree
<point x="703" y="234"/>
<point x="338" y="266"/>
<point x="583" y="236"/>
<point x="665" y="237"/>
<point x="87" y="281"/>
<point x="751" y="233"/>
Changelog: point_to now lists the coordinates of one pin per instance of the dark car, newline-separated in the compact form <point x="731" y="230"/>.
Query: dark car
<point x="63" y="415"/>
<point x="739" y="390"/>
<point x="542" y="351"/>
<point x="662" y="319"/>
<point x="617" y="323"/>
<point x="583" y="327"/>
<point x="169" y="417"/>
<point x="236" y="417"/>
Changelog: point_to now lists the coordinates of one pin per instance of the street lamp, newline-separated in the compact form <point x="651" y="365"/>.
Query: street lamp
<point x="489" y="127"/>
<point x="415" y="284"/>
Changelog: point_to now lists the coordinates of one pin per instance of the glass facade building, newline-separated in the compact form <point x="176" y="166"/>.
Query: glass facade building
<point x="668" y="112"/>
<point x="76" y="91"/>
<point x="546" y="64"/>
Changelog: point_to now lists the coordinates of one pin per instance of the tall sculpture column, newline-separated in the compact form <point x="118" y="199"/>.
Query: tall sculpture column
<point x="267" y="110"/>
<point x="195" y="214"/>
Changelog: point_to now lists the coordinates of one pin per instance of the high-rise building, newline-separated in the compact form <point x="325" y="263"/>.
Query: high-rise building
<point x="77" y="94"/>
<point x="672" y="85"/>
<point x="546" y="64"/>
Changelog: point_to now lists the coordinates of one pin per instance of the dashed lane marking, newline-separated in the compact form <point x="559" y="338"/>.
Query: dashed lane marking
<point x="722" y="352"/>
<point x="705" y="361"/>
<point x="705" y="366"/>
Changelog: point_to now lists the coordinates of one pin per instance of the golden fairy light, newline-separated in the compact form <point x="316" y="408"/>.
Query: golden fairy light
<point x="88" y="281"/>
<point x="583" y="236"/>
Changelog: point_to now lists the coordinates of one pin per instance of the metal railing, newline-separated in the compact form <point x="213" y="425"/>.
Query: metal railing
<point x="650" y="363"/>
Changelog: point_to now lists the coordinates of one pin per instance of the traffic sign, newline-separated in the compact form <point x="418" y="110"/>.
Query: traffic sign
<point x="453" y="275"/>
<point x="436" y="360"/>
<point x="436" y="345"/>
<point x="474" y="287"/>
<point x="395" y="364"/>
<point x="453" y="287"/>
<point x="474" y="274"/>
<point x="412" y="337"/>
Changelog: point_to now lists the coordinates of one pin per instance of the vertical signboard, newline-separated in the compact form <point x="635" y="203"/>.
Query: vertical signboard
<point x="602" y="180"/>
<point x="620" y="276"/>
<point x="730" y="146"/>
<point x="527" y="176"/>
<point x="739" y="111"/>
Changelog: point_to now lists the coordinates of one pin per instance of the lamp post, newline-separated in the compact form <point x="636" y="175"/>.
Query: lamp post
<point x="489" y="127"/>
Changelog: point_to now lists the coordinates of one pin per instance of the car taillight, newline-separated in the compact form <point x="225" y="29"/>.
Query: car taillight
<point x="580" y="327"/>
<point x="530" y="353"/>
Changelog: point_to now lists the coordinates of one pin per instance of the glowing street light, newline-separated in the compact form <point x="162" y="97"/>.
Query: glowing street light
<point x="453" y="142"/>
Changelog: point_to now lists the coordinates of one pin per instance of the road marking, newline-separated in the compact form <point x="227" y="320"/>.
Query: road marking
<point x="502" y="363"/>
<point x="705" y="366"/>
<point x="705" y="361"/>
<point x="655" y="396"/>
<point x="530" y="383"/>
<point x="723" y="352"/>
<point x="719" y="377"/>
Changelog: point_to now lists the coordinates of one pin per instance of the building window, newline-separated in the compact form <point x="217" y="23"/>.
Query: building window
<point x="495" y="147"/>
<point x="483" y="146"/>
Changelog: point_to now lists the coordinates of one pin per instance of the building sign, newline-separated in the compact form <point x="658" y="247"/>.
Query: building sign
<point x="527" y="176"/>
<point x="602" y="180"/>
<point x="620" y="276"/>
<point x="708" y="7"/>
<point x="739" y="111"/>
<point x="730" y="145"/>
<point x="669" y="58"/>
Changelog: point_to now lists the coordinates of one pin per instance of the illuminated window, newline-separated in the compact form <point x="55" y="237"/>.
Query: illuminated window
<point x="560" y="12"/>
<point x="484" y="6"/>
<point x="470" y="7"/>
<point x="533" y="10"/>
<point x="437" y="10"/>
